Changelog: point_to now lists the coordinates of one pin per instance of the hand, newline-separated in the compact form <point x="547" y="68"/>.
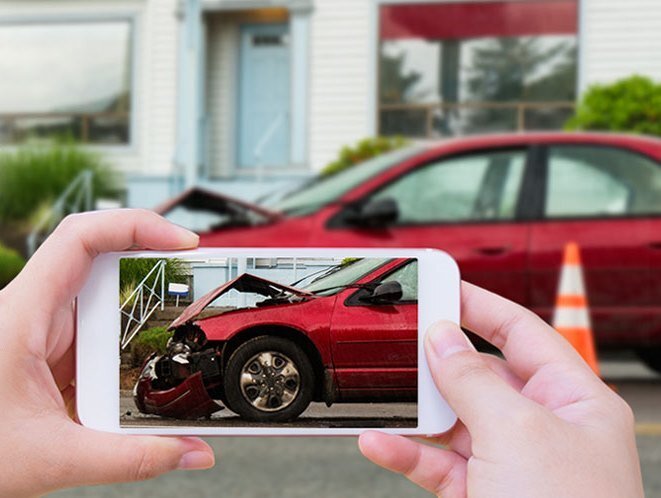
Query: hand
<point x="42" y="448"/>
<point x="537" y="424"/>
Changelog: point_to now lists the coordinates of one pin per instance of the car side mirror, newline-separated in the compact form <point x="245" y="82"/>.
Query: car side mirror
<point x="385" y="293"/>
<point x="378" y="213"/>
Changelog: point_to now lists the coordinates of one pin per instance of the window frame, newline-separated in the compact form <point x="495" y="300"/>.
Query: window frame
<point x="354" y="298"/>
<point x="134" y="19"/>
<point x="524" y="210"/>
<point x="544" y="181"/>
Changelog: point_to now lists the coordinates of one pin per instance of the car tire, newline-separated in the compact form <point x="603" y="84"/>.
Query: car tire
<point x="651" y="357"/>
<point x="268" y="379"/>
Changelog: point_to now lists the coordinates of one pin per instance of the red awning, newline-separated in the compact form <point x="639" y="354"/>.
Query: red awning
<point x="478" y="19"/>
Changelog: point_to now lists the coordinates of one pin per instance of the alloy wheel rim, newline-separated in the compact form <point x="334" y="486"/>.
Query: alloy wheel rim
<point x="270" y="381"/>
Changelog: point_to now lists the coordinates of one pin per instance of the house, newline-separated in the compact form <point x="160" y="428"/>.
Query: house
<point x="245" y="96"/>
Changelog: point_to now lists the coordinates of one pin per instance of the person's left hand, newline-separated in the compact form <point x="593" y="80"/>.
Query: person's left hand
<point x="42" y="448"/>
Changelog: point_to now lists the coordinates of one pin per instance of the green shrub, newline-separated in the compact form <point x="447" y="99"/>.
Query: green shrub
<point x="11" y="263"/>
<point x="153" y="340"/>
<point x="630" y="105"/>
<point x="361" y="151"/>
<point x="36" y="175"/>
<point x="133" y="270"/>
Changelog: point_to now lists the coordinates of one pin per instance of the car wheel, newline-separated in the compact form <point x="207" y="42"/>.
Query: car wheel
<point x="651" y="357"/>
<point x="269" y="379"/>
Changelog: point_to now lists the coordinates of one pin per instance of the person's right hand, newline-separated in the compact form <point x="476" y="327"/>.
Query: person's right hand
<point x="538" y="424"/>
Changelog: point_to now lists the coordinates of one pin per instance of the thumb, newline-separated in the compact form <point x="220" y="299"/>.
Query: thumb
<point x="474" y="391"/>
<point x="95" y="457"/>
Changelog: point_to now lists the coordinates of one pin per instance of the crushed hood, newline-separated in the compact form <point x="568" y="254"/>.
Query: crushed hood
<point x="242" y="283"/>
<point x="199" y="199"/>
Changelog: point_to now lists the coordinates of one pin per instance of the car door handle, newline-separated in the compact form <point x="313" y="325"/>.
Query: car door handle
<point x="655" y="245"/>
<point x="493" y="250"/>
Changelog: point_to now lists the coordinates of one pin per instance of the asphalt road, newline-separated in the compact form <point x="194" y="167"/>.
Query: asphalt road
<point x="333" y="467"/>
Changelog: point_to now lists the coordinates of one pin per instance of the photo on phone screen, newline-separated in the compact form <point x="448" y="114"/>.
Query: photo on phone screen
<point x="312" y="342"/>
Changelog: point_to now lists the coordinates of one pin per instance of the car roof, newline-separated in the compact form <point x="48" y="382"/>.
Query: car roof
<point x="641" y="143"/>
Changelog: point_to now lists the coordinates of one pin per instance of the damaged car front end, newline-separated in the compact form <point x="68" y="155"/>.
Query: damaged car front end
<point x="178" y="383"/>
<point x="186" y="381"/>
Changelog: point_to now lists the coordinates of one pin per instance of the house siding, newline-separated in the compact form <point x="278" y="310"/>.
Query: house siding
<point x="620" y="39"/>
<point x="340" y="93"/>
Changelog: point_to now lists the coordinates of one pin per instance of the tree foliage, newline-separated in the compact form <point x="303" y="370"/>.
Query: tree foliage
<point x="363" y="150"/>
<point x="630" y="105"/>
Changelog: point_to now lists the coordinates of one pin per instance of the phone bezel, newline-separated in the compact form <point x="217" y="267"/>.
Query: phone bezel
<point x="97" y="358"/>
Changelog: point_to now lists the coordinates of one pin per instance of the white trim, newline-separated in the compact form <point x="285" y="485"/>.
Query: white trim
<point x="134" y="17"/>
<point x="299" y="33"/>
<point x="581" y="39"/>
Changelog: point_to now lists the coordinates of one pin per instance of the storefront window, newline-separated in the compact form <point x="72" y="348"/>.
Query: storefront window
<point x="448" y="68"/>
<point x="70" y="80"/>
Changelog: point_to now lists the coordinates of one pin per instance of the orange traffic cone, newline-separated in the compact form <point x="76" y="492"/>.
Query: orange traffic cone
<point x="571" y="317"/>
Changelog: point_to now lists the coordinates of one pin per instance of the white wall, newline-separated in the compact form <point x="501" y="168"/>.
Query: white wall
<point x="620" y="38"/>
<point x="340" y="57"/>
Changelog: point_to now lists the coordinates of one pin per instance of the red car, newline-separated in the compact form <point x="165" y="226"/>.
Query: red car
<point x="350" y="335"/>
<point x="504" y="206"/>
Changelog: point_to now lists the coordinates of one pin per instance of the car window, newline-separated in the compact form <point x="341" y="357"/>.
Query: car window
<point x="346" y="274"/>
<point x="588" y="181"/>
<point x="325" y="190"/>
<point x="407" y="276"/>
<point x="475" y="187"/>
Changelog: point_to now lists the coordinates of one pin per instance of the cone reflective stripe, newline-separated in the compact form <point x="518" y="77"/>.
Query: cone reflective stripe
<point x="571" y="317"/>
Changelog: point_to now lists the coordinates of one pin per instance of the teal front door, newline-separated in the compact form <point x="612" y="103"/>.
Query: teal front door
<point x="264" y="96"/>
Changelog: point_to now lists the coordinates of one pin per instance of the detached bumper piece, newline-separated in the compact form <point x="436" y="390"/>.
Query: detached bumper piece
<point x="176" y="386"/>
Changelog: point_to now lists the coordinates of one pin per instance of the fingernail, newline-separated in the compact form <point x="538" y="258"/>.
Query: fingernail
<point x="196" y="460"/>
<point x="446" y="339"/>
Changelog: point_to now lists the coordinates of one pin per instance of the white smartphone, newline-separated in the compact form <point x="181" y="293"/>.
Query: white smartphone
<point x="263" y="341"/>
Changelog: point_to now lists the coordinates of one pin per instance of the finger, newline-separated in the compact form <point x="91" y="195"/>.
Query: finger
<point x="64" y="370"/>
<point x="478" y="395"/>
<point x="526" y="340"/>
<point x="96" y="457"/>
<point x="457" y="439"/>
<point x="436" y="470"/>
<point x="64" y="259"/>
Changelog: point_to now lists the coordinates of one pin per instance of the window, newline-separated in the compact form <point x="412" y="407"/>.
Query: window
<point x="407" y="276"/>
<point x="474" y="67"/>
<point x="66" y="80"/>
<point x="588" y="181"/>
<point x="476" y="187"/>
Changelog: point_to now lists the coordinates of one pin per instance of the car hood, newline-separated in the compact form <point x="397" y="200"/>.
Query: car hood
<point x="243" y="283"/>
<point x="236" y="210"/>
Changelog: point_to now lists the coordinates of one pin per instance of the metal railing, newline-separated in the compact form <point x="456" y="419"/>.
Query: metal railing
<point x="143" y="302"/>
<point x="77" y="197"/>
<point x="452" y="109"/>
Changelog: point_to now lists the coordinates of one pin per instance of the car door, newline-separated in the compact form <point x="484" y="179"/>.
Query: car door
<point x="468" y="205"/>
<point x="607" y="200"/>
<point x="374" y="346"/>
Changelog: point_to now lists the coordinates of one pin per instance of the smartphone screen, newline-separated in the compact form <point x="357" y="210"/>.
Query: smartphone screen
<point x="311" y="342"/>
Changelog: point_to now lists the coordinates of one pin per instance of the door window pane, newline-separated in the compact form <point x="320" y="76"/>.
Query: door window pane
<point x="476" y="187"/>
<point x="407" y="276"/>
<point x="66" y="79"/>
<point x="601" y="181"/>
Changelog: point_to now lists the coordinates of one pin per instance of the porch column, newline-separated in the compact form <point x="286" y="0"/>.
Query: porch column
<point x="190" y="93"/>
<point x="299" y="29"/>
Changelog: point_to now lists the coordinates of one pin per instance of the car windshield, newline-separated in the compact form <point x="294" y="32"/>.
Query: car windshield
<point x="325" y="190"/>
<point x="347" y="273"/>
